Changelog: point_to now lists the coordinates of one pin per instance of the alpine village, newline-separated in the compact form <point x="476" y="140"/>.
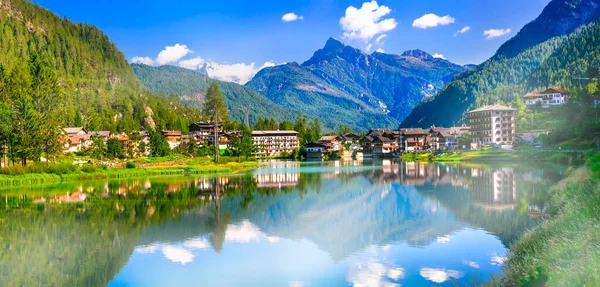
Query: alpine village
<point x="105" y="161"/>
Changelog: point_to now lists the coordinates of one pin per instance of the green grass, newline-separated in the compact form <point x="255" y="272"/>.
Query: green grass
<point x="178" y="165"/>
<point x="494" y="155"/>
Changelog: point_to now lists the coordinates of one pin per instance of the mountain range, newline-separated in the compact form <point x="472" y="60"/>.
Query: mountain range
<point x="340" y="85"/>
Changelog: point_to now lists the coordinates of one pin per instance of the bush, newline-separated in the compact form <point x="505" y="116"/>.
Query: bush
<point x="61" y="169"/>
<point x="130" y="165"/>
<point x="88" y="168"/>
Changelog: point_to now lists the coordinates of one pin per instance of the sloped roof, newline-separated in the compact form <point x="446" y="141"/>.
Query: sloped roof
<point x="329" y="138"/>
<point x="532" y="95"/>
<point x="554" y="91"/>
<point x="73" y="130"/>
<point x="413" y="131"/>
<point x="496" y="107"/>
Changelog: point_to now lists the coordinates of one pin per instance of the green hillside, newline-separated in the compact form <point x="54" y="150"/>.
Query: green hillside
<point x="192" y="85"/>
<point x="500" y="78"/>
<point x="96" y="86"/>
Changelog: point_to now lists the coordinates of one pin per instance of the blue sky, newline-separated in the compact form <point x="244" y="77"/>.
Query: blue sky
<point x="225" y="37"/>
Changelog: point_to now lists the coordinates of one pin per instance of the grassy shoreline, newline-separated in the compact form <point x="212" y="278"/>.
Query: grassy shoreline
<point x="494" y="155"/>
<point x="565" y="249"/>
<point x="155" y="168"/>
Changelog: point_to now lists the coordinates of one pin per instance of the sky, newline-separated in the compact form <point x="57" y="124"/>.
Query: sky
<point x="232" y="39"/>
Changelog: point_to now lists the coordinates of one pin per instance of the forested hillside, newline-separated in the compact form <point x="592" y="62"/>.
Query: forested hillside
<point x="191" y="87"/>
<point x="55" y="73"/>
<point x="97" y="87"/>
<point x="502" y="77"/>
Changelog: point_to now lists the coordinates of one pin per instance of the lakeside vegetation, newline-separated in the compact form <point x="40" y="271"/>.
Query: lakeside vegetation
<point x="490" y="154"/>
<point x="565" y="249"/>
<point x="168" y="165"/>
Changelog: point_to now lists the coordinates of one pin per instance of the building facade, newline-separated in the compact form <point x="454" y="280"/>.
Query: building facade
<point x="554" y="97"/>
<point x="274" y="143"/>
<point x="412" y="139"/>
<point x="494" y="124"/>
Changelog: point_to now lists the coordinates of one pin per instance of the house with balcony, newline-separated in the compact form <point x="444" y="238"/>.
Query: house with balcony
<point x="554" y="97"/>
<point x="335" y="143"/>
<point x="412" y="139"/>
<point x="492" y="125"/>
<point x="444" y="139"/>
<point x="173" y="138"/>
<point x="275" y="143"/>
<point x="383" y="146"/>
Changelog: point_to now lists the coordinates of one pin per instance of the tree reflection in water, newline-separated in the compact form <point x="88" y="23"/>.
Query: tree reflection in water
<point x="341" y="208"/>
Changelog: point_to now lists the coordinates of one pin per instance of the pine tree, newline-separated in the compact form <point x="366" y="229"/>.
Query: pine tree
<point x="214" y="106"/>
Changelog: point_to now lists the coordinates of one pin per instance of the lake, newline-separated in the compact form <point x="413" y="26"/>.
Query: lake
<point x="372" y="223"/>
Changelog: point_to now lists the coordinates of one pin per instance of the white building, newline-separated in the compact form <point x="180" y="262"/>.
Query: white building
<point x="549" y="98"/>
<point x="274" y="143"/>
<point x="493" y="124"/>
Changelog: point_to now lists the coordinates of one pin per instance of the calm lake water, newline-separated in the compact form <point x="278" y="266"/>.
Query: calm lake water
<point x="381" y="223"/>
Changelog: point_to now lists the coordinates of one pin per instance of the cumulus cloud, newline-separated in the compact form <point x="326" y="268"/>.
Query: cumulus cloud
<point x="439" y="275"/>
<point x="177" y="254"/>
<point x="239" y="73"/>
<point x="445" y="238"/>
<point x="290" y="17"/>
<point x="374" y="274"/>
<point x="494" y="33"/>
<point x="497" y="260"/>
<point x="465" y="29"/>
<point x="142" y="60"/>
<point x="196" y="243"/>
<point x="432" y="20"/>
<point x="380" y="50"/>
<point x="170" y="54"/>
<point x="192" y="64"/>
<point x="243" y="232"/>
<point x="367" y="23"/>
<point x="439" y="56"/>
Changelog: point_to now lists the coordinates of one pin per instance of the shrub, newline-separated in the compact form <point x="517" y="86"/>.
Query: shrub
<point x="130" y="165"/>
<point x="88" y="168"/>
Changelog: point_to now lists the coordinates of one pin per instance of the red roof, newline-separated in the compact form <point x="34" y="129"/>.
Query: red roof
<point x="555" y="90"/>
<point x="533" y="95"/>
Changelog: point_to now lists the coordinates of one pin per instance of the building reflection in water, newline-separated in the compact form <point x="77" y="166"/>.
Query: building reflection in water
<point x="495" y="189"/>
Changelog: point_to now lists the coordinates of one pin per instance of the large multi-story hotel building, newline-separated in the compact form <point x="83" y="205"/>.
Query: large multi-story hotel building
<point x="274" y="143"/>
<point x="493" y="124"/>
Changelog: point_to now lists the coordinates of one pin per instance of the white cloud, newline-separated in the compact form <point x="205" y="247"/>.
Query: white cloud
<point x="273" y="239"/>
<point x="177" y="254"/>
<point x="369" y="47"/>
<point x="465" y="29"/>
<point x="296" y="284"/>
<point x="497" y="260"/>
<point x="146" y="249"/>
<point x="289" y="17"/>
<point x="374" y="274"/>
<point x="366" y="23"/>
<point x="142" y="60"/>
<point x="196" y="243"/>
<point x="380" y="50"/>
<point x="192" y="64"/>
<point x="243" y="232"/>
<point x="380" y="38"/>
<point x="432" y="20"/>
<point x="494" y="33"/>
<point x="443" y="239"/>
<point x="239" y="73"/>
<point x="172" y="54"/>
<point x="439" y="56"/>
<point x="439" y="275"/>
<point x="471" y="263"/>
